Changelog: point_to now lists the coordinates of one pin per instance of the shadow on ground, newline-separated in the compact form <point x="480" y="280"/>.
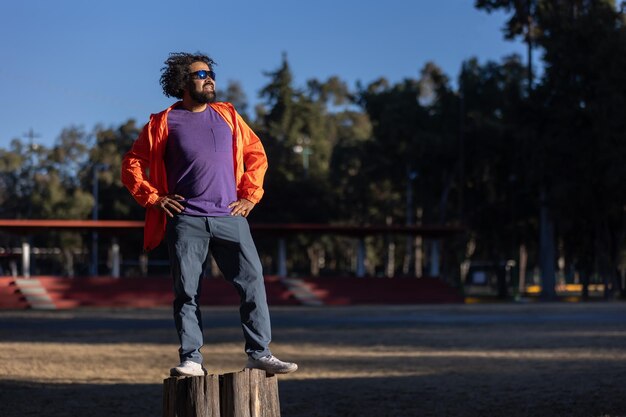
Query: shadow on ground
<point x="439" y="395"/>
<point x="428" y="395"/>
<point x="72" y="400"/>
<point x="465" y="361"/>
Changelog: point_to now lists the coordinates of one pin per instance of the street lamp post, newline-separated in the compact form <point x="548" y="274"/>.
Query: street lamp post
<point x="303" y="147"/>
<point x="33" y="148"/>
<point x="94" y="216"/>
<point x="411" y="176"/>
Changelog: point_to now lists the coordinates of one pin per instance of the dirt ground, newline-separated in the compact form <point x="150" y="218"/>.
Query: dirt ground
<point x="370" y="361"/>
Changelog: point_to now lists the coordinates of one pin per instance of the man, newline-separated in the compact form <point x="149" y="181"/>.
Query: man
<point x="199" y="164"/>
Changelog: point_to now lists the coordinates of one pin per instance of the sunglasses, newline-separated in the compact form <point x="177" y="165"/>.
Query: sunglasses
<point x="203" y="74"/>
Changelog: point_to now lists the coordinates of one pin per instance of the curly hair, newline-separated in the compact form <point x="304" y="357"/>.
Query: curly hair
<point x="175" y="74"/>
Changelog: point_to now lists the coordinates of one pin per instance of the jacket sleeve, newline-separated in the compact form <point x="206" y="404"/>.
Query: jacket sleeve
<point x="135" y="170"/>
<point x="255" y="162"/>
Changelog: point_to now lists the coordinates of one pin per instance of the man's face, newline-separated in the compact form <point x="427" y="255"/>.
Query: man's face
<point x="201" y="91"/>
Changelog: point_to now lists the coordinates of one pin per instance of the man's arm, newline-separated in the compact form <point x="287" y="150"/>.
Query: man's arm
<point x="135" y="166"/>
<point x="250" y="186"/>
<point x="255" y="161"/>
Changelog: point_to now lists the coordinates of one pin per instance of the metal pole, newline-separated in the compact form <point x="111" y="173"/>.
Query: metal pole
<point x="546" y="247"/>
<point x="282" y="257"/>
<point x="411" y="176"/>
<point x="94" y="216"/>
<point x="305" y="160"/>
<point x="434" y="259"/>
<point x="461" y="147"/>
<point x="115" y="260"/>
<point x="530" y="45"/>
<point x="26" y="259"/>
<point x="419" y="246"/>
<point x="360" y="258"/>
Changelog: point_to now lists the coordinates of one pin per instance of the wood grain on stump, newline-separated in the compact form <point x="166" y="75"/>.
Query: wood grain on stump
<point x="248" y="393"/>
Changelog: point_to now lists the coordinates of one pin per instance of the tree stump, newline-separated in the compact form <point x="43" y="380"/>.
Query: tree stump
<point x="196" y="396"/>
<point x="248" y="393"/>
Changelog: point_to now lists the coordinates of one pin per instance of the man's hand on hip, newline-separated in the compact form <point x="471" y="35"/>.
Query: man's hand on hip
<point x="241" y="207"/>
<point x="170" y="204"/>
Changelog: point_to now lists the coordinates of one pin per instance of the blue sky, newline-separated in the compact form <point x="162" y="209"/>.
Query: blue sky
<point x="73" y="62"/>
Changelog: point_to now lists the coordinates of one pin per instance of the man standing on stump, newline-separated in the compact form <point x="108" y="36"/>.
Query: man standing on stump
<point x="198" y="169"/>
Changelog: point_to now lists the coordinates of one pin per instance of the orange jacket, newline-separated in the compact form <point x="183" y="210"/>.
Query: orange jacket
<point x="143" y="167"/>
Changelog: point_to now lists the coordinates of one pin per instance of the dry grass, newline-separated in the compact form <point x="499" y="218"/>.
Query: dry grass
<point x="479" y="360"/>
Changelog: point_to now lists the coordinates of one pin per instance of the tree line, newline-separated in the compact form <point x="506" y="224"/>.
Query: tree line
<point x="529" y="161"/>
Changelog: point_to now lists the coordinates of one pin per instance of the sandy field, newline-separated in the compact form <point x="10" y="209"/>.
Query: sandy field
<point x="369" y="361"/>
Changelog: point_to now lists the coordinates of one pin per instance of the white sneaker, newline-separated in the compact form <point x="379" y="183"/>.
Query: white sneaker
<point x="271" y="364"/>
<point x="188" y="368"/>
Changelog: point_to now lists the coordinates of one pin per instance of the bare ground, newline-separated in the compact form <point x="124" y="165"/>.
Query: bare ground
<point x="372" y="361"/>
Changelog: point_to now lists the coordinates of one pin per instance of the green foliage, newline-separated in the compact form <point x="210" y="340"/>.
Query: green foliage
<point x="106" y="159"/>
<point x="234" y="94"/>
<point x="299" y="133"/>
<point x="15" y="184"/>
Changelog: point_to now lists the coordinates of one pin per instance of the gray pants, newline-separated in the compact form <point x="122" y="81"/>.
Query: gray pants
<point x="189" y="239"/>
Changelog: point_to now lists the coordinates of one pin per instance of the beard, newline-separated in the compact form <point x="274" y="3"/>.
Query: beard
<point x="202" y="97"/>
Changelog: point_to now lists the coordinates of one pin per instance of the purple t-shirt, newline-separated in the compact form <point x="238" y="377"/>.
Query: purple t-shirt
<point x="199" y="161"/>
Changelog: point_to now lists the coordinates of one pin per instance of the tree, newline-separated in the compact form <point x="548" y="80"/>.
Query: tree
<point x="16" y="171"/>
<point x="578" y="124"/>
<point x="294" y="131"/>
<point x="105" y="158"/>
<point x="234" y="94"/>
<point x="583" y="88"/>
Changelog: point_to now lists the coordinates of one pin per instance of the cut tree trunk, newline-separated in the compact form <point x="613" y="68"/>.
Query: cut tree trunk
<point x="248" y="393"/>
